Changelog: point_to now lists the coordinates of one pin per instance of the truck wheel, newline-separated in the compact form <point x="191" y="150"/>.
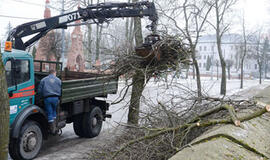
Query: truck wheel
<point x="92" y="123"/>
<point x="29" y="142"/>
<point x="78" y="125"/>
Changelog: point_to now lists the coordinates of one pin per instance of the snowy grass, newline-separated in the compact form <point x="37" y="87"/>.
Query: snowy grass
<point x="164" y="91"/>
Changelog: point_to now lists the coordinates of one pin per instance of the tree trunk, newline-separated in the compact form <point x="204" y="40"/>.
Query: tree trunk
<point x="223" y="79"/>
<point x="98" y="39"/>
<point x="260" y="72"/>
<point x="244" y="54"/>
<point x="187" y="72"/>
<point x="242" y="74"/>
<point x="138" y="79"/>
<point x="229" y="73"/>
<point x="137" y="89"/>
<point x="223" y="67"/>
<point x="217" y="72"/>
<point x="265" y="69"/>
<point x="193" y="73"/>
<point x="221" y="58"/>
<point x="222" y="63"/>
<point x="195" y="64"/>
<point x="4" y="114"/>
<point x="89" y="44"/>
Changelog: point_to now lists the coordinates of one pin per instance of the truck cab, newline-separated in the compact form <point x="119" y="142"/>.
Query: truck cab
<point x="20" y="81"/>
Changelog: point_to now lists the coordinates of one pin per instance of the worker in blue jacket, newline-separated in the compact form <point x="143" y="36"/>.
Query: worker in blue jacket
<point x="50" y="90"/>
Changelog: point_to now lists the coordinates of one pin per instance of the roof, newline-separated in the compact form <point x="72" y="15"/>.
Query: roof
<point x="227" y="38"/>
<point x="16" y="53"/>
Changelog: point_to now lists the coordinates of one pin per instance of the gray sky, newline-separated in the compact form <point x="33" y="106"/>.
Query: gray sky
<point x="20" y="8"/>
<point x="256" y="12"/>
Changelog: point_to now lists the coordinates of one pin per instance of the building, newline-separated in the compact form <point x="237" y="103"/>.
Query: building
<point x="232" y="50"/>
<point x="75" y="56"/>
<point x="44" y="51"/>
<point x="48" y="47"/>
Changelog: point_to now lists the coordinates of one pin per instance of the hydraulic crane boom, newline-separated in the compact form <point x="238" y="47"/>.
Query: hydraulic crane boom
<point x="99" y="13"/>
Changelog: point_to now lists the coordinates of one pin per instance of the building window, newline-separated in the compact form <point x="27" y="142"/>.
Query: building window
<point x="212" y="48"/>
<point x="204" y="65"/>
<point x="231" y="47"/>
<point x="204" y="48"/>
<point x="200" y="65"/>
<point x="255" y="66"/>
<point x="200" y="48"/>
<point x="204" y="57"/>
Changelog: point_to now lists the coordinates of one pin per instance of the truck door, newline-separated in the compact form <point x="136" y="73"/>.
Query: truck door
<point x="20" y="83"/>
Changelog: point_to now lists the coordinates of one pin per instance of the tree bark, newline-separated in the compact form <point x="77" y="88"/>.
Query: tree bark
<point x="260" y="70"/>
<point x="242" y="74"/>
<point x="244" y="53"/>
<point x="138" y="79"/>
<point x="217" y="72"/>
<point x="229" y="73"/>
<point x="89" y="44"/>
<point x="4" y="114"/>
<point x="223" y="66"/>
<point x="198" y="77"/>
<point x="137" y="89"/>
<point x="222" y="61"/>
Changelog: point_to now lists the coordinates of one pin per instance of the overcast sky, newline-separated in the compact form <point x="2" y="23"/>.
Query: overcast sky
<point x="256" y="12"/>
<point x="32" y="9"/>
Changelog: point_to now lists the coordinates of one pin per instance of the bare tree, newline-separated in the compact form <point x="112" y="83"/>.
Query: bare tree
<point x="89" y="37"/>
<point x="52" y="45"/>
<point x="4" y="113"/>
<point x="220" y="27"/>
<point x="259" y="54"/>
<point x="229" y="64"/>
<point x="195" y="14"/>
<point x="265" y="51"/>
<point x="217" y="65"/>
<point x="243" y="50"/>
<point x="138" y="79"/>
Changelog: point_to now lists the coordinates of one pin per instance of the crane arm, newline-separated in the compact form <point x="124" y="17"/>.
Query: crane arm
<point x="99" y="13"/>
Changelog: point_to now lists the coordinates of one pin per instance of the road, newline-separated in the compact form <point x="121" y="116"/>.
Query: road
<point x="68" y="146"/>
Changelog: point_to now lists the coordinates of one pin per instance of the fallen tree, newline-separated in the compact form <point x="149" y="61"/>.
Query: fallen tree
<point x="168" y="130"/>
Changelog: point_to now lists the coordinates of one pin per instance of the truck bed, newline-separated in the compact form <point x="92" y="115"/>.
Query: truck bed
<point x="79" y="89"/>
<point x="80" y="85"/>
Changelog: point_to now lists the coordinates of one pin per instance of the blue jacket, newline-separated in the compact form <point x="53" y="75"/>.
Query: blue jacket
<point x="50" y="86"/>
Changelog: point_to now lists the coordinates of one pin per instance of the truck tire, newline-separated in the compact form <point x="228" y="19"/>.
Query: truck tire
<point x="92" y="122"/>
<point x="78" y="125"/>
<point x="29" y="142"/>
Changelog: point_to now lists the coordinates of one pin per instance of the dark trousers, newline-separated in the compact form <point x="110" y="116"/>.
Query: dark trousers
<point x="50" y="107"/>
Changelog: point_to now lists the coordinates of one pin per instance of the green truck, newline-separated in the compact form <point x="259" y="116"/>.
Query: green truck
<point x="78" y="104"/>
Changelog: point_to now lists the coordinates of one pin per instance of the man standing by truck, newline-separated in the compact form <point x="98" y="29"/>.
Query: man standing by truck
<point x="50" y="90"/>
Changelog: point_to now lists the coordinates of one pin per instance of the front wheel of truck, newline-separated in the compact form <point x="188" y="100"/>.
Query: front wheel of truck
<point x="92" y="122"/>
<point x="29" y="142"/>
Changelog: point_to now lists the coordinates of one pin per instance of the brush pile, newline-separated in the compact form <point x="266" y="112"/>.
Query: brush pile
<point x="154" y="56"/>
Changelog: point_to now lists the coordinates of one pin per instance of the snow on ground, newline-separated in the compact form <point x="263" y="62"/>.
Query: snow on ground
<point x="164" y="91"/>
